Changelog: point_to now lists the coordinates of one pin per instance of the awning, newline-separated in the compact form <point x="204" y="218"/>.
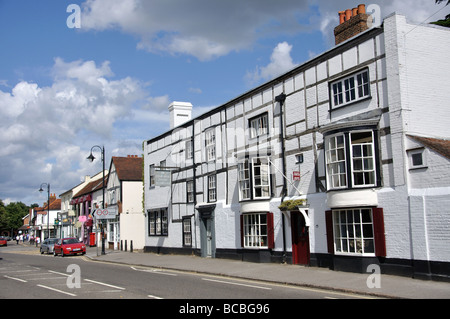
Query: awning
<point x="81" y="199"/>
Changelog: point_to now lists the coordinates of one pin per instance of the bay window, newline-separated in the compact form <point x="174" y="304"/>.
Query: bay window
<point x="351" y="159"/>
<point x="254" y="179"/>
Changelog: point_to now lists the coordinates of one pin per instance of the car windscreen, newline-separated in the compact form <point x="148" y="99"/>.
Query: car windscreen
<point x="70" y="241"/>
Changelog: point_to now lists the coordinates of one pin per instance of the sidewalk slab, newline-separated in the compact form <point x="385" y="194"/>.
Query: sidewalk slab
<point x="312" y="277"/>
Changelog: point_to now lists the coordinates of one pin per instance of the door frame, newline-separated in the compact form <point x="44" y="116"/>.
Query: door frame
<point x="206" y="215"/>
<point x="301" y="254"/>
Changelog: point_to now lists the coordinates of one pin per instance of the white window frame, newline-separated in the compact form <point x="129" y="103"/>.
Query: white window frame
<point x="350" y="89"/>
<point x="354" y="233"/>
<point x="343" y="162"/>
<point x="212" y="189"/>
<point x="262" y="180"/>
<point x="244" y="180"/>
<point x="187" y="232"/>
<point x="412" y="153"/>
<point x="259" y="126"/>
<point x="365" y="159"/>
<point x="190" y="191"/>
<point x="210" y="144"/>
<point x="152" y="176"/>
<point x="189" y="150"/>
<point x="336" y="162"/>
<point x="256" y="231"/>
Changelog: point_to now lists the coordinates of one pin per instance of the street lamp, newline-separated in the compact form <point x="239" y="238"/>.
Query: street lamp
<point x="91" y="158"/>
<point x="48" y="206"/>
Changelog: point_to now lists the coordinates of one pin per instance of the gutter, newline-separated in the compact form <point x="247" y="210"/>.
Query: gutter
<point x="281" y="99"/>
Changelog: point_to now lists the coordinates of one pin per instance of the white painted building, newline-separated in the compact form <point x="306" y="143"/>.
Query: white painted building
<point x="343" y="131"/>
<point x="124" y="200"/>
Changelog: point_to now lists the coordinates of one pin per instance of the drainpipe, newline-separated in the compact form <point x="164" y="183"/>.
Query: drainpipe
<point x="281" y="99"/>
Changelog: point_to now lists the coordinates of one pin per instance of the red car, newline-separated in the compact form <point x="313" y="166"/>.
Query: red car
<point x="3" y="241"/>
<point x="69" y="246"/>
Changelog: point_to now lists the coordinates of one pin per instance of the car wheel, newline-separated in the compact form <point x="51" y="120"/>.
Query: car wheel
<point x="42" y="252"/>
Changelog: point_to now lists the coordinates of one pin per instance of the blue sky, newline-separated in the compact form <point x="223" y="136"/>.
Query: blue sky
<point x="109" y="83"/>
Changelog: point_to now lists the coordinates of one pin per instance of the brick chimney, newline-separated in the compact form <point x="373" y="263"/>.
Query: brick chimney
<point x="351" y="22"/>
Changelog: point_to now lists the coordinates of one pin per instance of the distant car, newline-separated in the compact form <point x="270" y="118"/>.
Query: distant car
<point x="69" y="246"/>
<point x="48" y="245"/>
<point x="3" y="241"/>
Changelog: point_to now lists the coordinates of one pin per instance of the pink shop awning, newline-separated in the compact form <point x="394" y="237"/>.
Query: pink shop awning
<point x="82" y="199"/>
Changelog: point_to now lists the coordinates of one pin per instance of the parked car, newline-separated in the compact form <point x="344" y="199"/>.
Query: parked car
<point x="3" y="241"/>
<point x="69" y="246"/>
<point x="48" y="245"/>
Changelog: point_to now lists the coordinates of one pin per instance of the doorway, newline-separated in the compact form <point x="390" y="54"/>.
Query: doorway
<point x="300" y="239"/>
<point x="207" y="230"/>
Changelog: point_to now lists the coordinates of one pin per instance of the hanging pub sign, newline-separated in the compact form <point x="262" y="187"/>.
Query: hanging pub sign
<point x="163" y="178"/>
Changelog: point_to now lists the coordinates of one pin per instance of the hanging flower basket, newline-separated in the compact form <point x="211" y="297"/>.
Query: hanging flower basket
<point x="290" y="205"/>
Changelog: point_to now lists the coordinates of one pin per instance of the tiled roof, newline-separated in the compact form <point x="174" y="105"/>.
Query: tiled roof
<point x="91" y="187"/>
<point x="128" y="168"/>
<point x="438" y="145"/>
<point x="55" y="204"/>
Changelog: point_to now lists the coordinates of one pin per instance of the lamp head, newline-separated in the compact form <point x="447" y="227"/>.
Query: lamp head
<point x="41" y="190"/>
<point x="91" y="158"/>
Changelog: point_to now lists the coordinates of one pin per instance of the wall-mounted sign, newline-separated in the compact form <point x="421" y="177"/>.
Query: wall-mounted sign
<point x="296" y="176"/>
<point x="107" y="213"/>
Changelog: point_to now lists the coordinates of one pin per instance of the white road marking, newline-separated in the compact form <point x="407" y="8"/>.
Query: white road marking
<point x="237" y="284"/>
<point x="18" y="279"/>
<point x="155" y="271"/>
<point x="103" y="284"/>
<point x="57" y="290"/>
<point x="154" y="297"/>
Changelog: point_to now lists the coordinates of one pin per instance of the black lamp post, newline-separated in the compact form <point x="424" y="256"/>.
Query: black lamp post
<point x="91" y="158"/>
<point x="48" y="206"/>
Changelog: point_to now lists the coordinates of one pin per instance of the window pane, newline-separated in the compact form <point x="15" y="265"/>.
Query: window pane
<point x="351" y="234"/>
<point x="417" y="159"/>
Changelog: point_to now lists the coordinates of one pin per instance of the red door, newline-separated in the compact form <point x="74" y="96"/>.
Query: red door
<point x="300" y="239"/>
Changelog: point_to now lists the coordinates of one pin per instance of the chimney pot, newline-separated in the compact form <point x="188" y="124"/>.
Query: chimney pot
<point x="348" y="14"/>
<point x="341" y="17"/>
<point x="354" y="12"/>
<point x="362" y="9"/>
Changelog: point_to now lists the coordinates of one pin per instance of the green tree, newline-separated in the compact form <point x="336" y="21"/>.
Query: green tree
<point x="11" y="215"/>
<point x="444" y="22"/>
<point x="3" y="217"/>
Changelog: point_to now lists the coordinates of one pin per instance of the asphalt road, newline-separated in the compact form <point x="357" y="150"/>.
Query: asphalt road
<point x="25" y="274"/>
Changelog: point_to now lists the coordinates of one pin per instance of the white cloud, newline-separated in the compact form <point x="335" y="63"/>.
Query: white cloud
<point x="280" y="62"/>
<point x="209" y="29"/>
<point x="46" y="132"/>
<point x="203" y="28"/>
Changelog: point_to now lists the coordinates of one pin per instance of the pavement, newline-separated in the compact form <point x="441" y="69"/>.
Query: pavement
<point x="386" y="286"/>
